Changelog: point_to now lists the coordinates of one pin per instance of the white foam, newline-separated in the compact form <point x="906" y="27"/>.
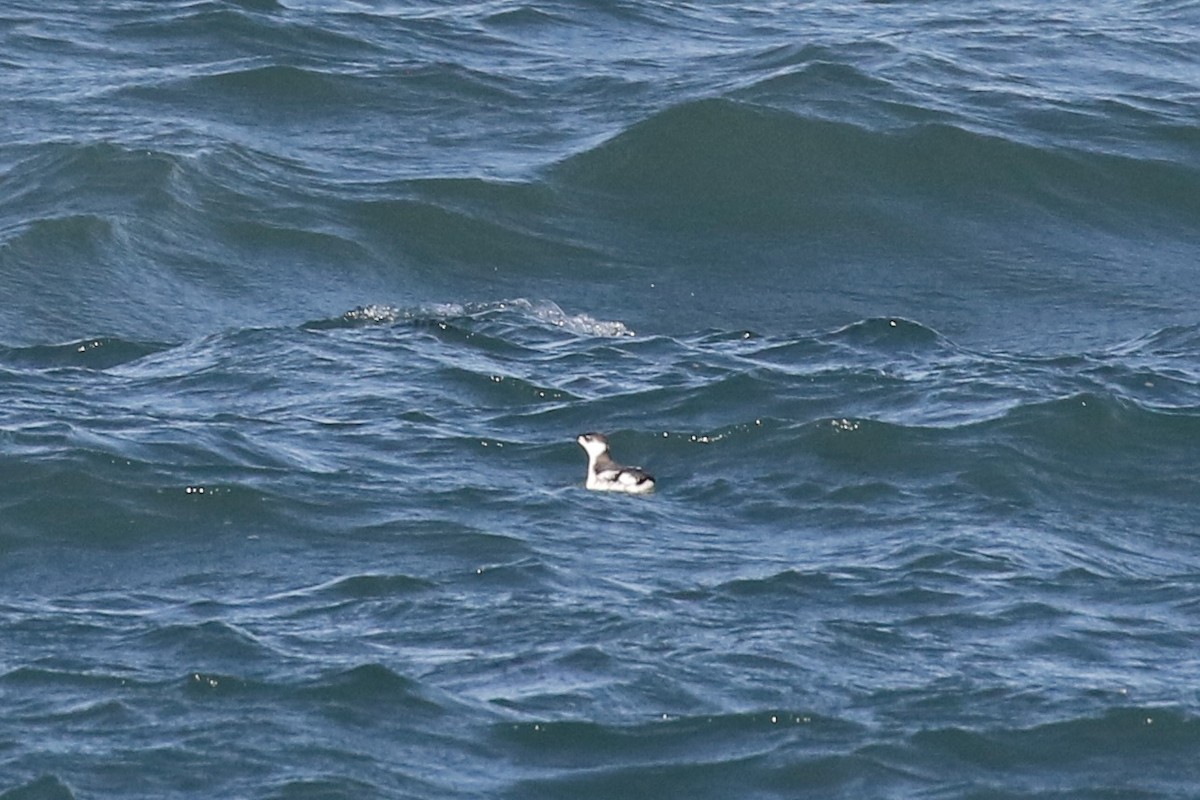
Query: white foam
<point x="372" y="313"/>
<point x="583" y="324"/>
<point x="543" y="311"/>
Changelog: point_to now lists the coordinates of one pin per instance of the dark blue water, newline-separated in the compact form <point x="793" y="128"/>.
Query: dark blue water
<point x="304" y="304"/>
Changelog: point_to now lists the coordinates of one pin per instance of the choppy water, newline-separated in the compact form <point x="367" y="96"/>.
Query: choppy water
<point x="305" y="303"/>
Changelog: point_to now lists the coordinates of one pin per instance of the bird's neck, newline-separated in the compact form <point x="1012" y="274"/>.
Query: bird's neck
<point x="601" y="461"/>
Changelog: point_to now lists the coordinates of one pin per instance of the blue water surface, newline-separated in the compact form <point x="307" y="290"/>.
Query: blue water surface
<point x="305" y="303"/>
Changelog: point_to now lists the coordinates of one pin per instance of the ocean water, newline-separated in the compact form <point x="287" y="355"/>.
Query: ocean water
<point x="305" y="303"/>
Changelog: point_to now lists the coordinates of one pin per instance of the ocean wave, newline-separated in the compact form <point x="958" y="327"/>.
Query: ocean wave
<point x="706" y="756"/>
<point x="789" y="583"/>
<point x="43" y="680"/>
<point x="524" y="17"/>
<point x="96" y="354"/>
<point x="101" y="178"/>
<point x="757" y="167"/>
<point x="368" y="685"/>
<point x="359" y="587"/>
<point x="281" y="85"/>
<point x="471" y="406"/>
<point x="47" y="787"/>
<point x="657" y="736"/>
<point x="781" y="752"/>
<point x="1132" y="732"/>
<point x="226" y="26"/>
<point x="339" y="788"/>
<point x="249" y="230"/>
<point x="79" y="236"/>
<point x="543" y="313"/>
<point x="891" y="334"/>
<point x="343" y="85"/>
<point x="307" y="303"/>
<point x="436" y="235"/>
<point x="75" y="484"/>
<point x="212" y="642"/>
<point x="215" y="684"/>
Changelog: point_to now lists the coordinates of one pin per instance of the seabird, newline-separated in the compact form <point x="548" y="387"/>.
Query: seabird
<point x="606" y="475"/>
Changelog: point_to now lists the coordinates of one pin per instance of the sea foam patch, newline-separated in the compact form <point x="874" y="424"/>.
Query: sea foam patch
<point x="543" y="312"/>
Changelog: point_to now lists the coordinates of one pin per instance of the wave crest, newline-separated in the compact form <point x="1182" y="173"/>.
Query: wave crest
<point x="541" y="312"/>
<point x="735" y="162"/>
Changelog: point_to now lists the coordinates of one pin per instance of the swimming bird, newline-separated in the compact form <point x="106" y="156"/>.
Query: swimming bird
<point x="606" y="475"/>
